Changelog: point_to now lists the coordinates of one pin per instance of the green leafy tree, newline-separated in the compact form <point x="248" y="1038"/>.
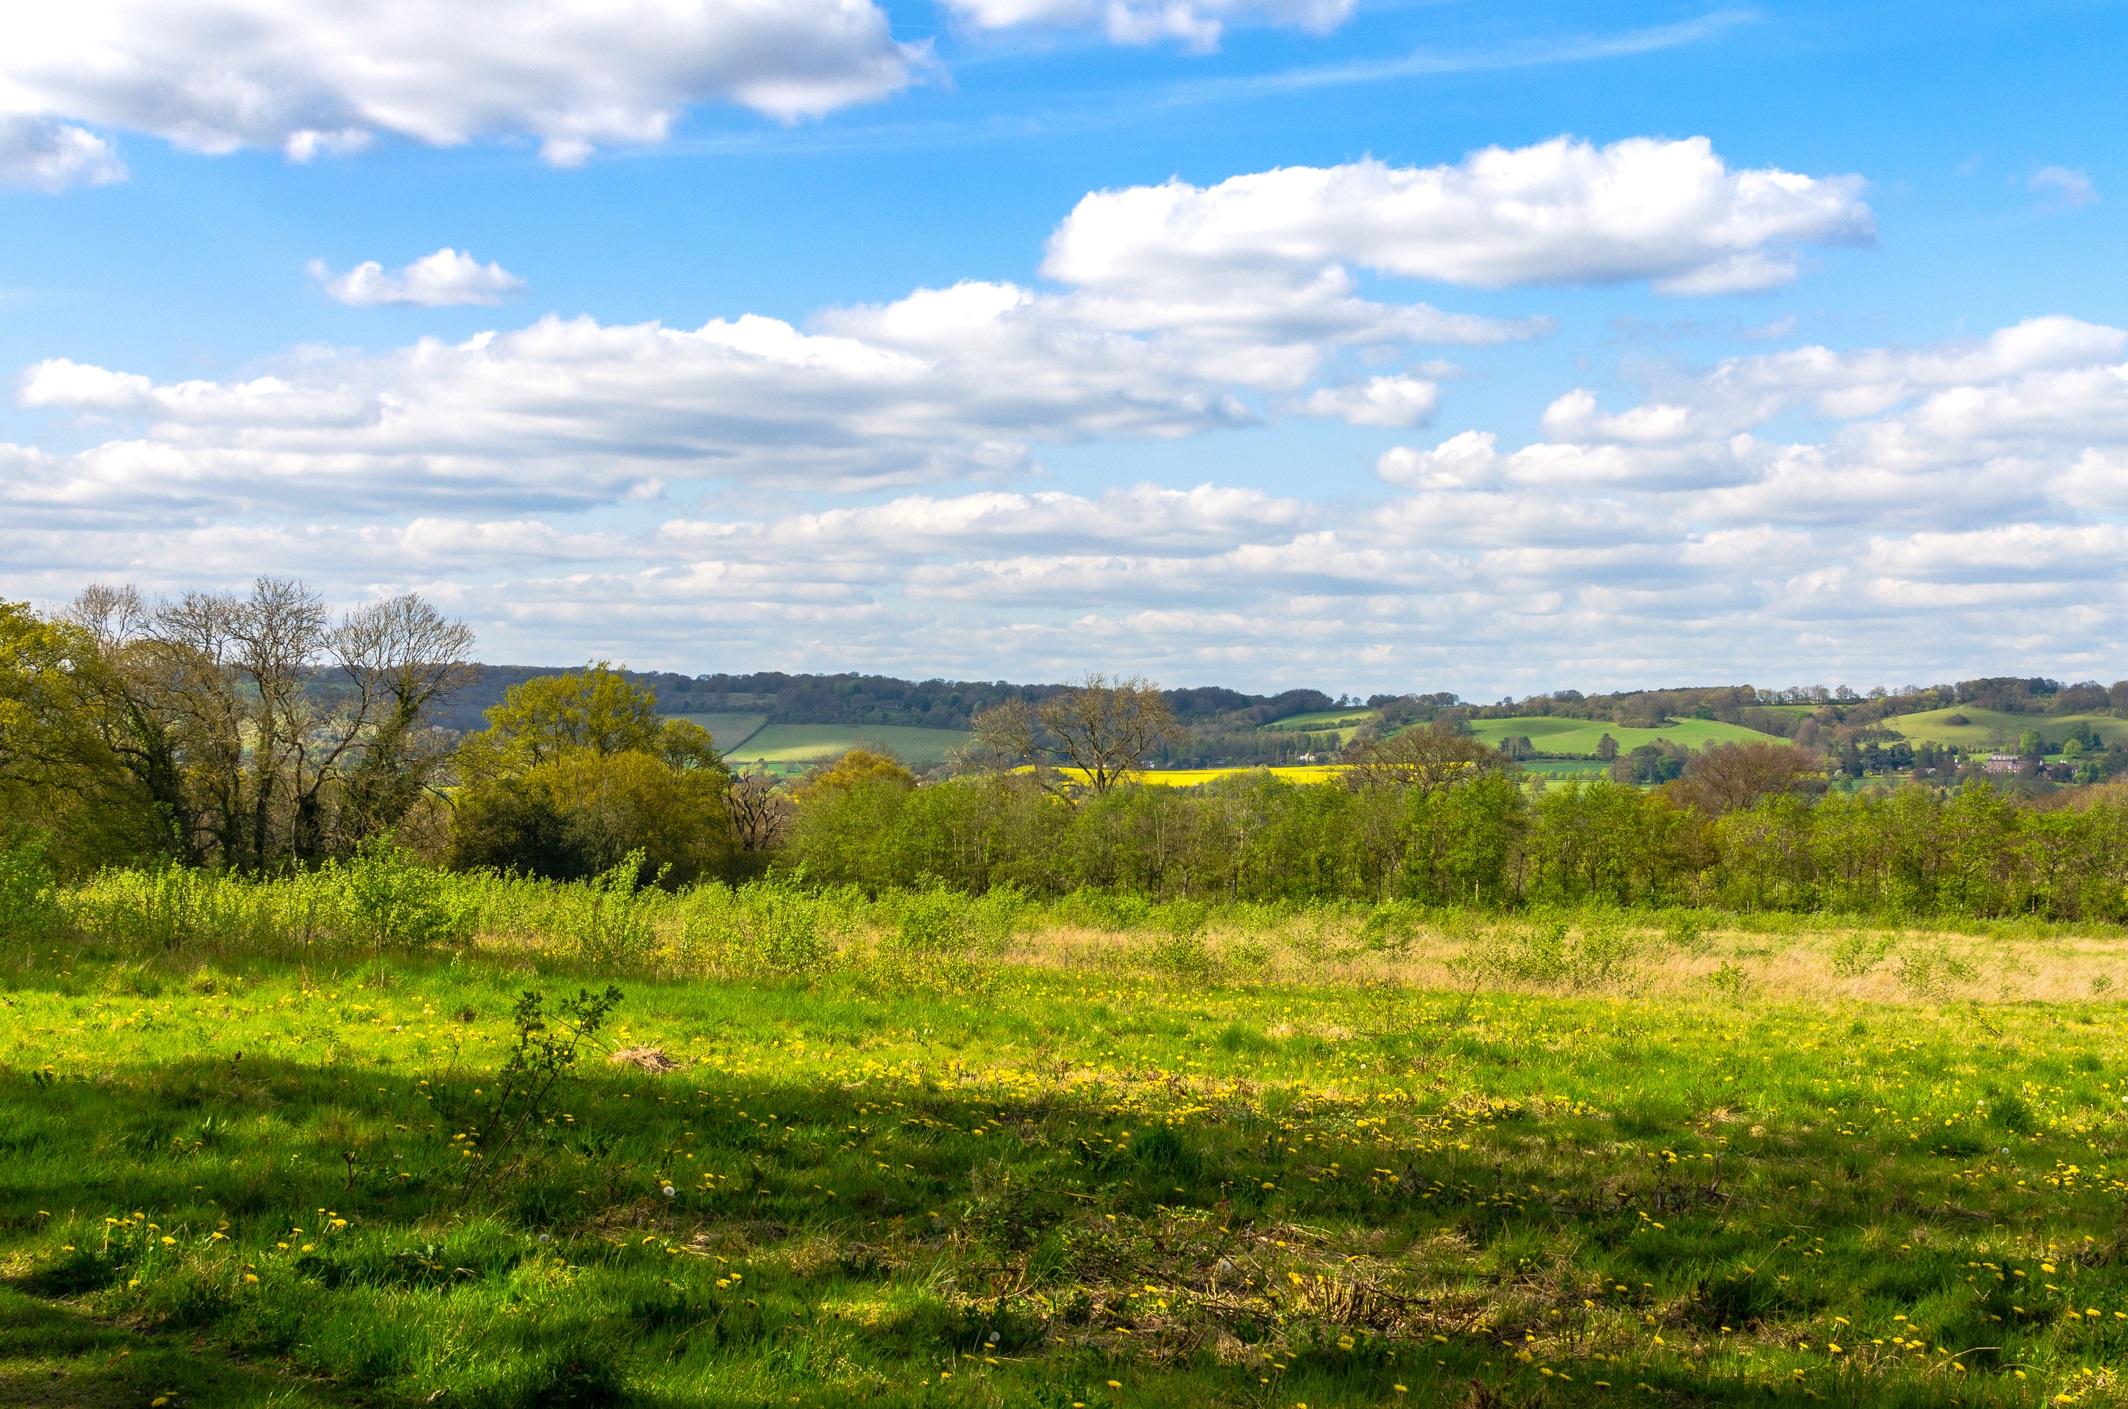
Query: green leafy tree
<point x="576" y="772"/>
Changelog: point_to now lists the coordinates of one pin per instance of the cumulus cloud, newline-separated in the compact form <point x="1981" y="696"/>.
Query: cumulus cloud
<point x="2062" y="187"/>
<point x="40" y="154"/>
<point x="441" y="280"/>
<point x="1559" y="212"/>
<point x="942" y="383"/>
<point x="1197" y="24"/>
<point x="1876" y="548"/>
<point x="319" y="76"/>
<point x="1378" y="401"/>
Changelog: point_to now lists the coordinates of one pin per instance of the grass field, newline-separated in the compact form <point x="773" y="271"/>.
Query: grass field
<point x="1344" y="722"/>
<point x="806" y="743"/>
<point x="1989" y="728"/>
<point x="1581" y="736"/>
<point x="1322" y="1159"/>
<point x="729" y="730"/>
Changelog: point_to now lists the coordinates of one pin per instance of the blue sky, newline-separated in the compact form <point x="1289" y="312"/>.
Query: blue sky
<point x="1772" y="343"/>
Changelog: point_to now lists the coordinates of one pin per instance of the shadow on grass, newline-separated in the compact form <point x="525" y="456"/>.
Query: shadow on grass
<point x="55" y="1357"/>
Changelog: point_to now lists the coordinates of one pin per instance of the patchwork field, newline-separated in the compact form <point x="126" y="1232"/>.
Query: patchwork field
<point x="1345" y="722"/>
<point x="1989" y="728"/>
<point x="1315" y="1160"/>
<point x="1581" y="736"/>
<point x="1192" y="777"/>
<point x="729" y="730"/>
<point x="809" y="743"/>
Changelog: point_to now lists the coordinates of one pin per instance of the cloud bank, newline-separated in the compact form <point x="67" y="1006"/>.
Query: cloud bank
<point x="1196" y="24"/>
<point x="1559" y="212"/>
<point x="862" y="489"/>
<point x="315" y="76"/>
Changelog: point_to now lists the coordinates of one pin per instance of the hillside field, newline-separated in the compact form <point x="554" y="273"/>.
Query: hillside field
<point x="1192" y="777"/>
<point x="1549" y="734"/>
<point x="1990" y="728"/>
<point x="808" y="743"/>
<point x="1345" y="722"/>
<point x="1270" y="1163"/>
<point x="728" y="730"/>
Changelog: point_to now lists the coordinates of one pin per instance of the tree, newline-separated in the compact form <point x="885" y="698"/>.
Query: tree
<point x="259" y="731"/>
<point x="577" y="770"/>
<point x="400" y="656"/>
<point x="1727" y="778"/>
<point x="1607" y="748"/>
<point x="1424" y="757"/>
<point x="1103" y="726"/>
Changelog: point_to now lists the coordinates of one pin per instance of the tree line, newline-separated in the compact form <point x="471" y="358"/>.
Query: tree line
<point x="259" y="732"/>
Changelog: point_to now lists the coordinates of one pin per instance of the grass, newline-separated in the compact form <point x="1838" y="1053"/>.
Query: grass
<point x="728" y="730"/>
<point x="1994" y="728"/>
<point x="1345" y="722"/>
<point x="1581" y="736"/>
<point x="803" y="743"/>
<point x="1126" y="1156"/>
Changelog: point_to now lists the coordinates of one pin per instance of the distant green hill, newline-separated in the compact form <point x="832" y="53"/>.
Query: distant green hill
<point x="1995" y="728"/>
<point x="1550" y="734"/>
<point x="808" y="743"/>
<point x="729" y="730"/>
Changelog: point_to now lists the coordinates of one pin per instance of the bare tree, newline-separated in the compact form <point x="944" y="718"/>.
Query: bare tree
<point x="760" y="813"/>
<point x="264" y="731"/>
<point x="1419" y="756"/>
<point x="1103" y="726"/>
<point x="1727" y="777"/>
<point x="401" y="656"/>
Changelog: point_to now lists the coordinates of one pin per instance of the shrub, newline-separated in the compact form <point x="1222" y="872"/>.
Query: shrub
<point x="395" y="903"/>
<point x="29" y="898"/>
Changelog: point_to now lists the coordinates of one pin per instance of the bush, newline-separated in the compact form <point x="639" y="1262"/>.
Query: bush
<point x="29" y="897"/>
<point x="395" y="903"/>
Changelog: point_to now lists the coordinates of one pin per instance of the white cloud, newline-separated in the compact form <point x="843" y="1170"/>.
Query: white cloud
<point x="1560" y="212"/>
<point x="1378" y="401"/>
<point x="446" y="278"/>
<point x="40" y="154"/>
<point x="311" y="76"/>
<point x="2063" y="188"/>
<point x="1197" y="24"/>
<point x="943" y="383"/>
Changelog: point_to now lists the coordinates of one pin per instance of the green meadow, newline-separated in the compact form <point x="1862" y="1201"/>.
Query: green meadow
<point x="1344" y="722"/>
<point x="1991" y="728"/>
<point x="1581" y="736"/>
<point x="811" y="743"/>
<point x="729" y="730"/>
<point x="931" y="1150"/>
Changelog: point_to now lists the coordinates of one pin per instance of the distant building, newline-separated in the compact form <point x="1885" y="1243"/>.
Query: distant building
<point x="2000" y="763"/>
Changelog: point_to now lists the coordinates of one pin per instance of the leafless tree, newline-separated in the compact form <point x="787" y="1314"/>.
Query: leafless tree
<point x="1103" y="726"/>
<point x="760" y="813"/>
<point x="265" y="731"/>
<point x="1419" y="756"/>
<point x="400" y="656"/>
<point x="1727" y="777"/>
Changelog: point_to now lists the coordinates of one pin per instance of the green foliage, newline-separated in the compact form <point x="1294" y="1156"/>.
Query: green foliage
<point x="527" y="1084"/>
<point x="400" y="904"/>
<point x="29" y="897"/>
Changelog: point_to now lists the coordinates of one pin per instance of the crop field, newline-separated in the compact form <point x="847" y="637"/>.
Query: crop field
<point x="1988" y="728"/>
<point x="729" y="730"/>
<point x="1141" y="1155"/>
<point x="1581" y="736"/>
<point x="1345" y="722"/>
<point x="809" y="743"/>
<point x="1193" y="777"/>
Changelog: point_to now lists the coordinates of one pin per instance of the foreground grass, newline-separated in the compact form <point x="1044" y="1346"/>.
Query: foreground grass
<point x="1029" y="1184"/>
